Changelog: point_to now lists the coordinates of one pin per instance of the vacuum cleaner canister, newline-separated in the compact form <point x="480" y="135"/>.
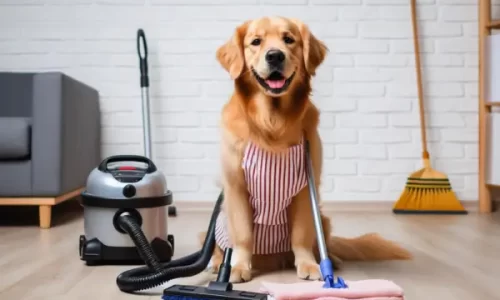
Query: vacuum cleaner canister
<point x="121" y="186"/>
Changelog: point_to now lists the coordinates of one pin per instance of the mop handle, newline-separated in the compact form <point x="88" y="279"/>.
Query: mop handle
<point x="315" y="206"/>
<point x="142" y="50"/>
<point x="325" y="264"/>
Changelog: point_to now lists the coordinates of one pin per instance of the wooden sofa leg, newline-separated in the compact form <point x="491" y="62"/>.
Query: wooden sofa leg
<point x="45" y="212"/>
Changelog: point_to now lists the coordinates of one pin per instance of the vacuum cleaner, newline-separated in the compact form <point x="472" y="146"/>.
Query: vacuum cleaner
<point x="117" y="191"/>
<point x="127" y="191"/>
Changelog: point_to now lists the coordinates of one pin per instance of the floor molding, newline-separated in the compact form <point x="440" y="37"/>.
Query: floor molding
<point x="333" y="206"/>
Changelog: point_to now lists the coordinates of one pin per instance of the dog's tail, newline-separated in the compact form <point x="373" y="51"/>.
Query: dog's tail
<point x="367" y="247"/>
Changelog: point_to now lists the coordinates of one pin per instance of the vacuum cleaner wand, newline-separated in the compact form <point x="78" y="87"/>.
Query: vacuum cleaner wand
<point x="325" y="264"/>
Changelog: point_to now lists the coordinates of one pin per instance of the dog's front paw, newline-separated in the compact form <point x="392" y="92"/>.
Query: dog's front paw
<point x="240" y="273"/>
<point x="308" y="270"/>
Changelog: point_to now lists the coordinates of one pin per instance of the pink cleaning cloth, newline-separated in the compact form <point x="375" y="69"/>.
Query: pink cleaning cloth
<point x="372" y="289"/>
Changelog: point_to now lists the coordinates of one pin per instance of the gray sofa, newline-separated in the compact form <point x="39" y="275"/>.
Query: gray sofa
<point x="49" y="139"/>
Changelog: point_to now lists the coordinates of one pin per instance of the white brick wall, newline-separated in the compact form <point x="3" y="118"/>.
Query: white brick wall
<point x="366" y="88"/>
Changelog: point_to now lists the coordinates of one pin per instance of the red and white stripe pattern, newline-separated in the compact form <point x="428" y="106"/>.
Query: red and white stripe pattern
<point x="272" y="180"/>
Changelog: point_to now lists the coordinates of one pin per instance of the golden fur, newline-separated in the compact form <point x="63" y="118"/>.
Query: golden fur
<point x="275" y="122"/>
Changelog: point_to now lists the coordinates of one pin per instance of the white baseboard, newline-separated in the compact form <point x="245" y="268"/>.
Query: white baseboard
<point x="333" y="206"/>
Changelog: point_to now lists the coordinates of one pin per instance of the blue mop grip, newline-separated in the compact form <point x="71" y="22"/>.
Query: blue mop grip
<point x="327" y="272"/>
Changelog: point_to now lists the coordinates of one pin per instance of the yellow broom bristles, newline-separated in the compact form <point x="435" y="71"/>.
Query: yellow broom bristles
<point x="433" y="194"/>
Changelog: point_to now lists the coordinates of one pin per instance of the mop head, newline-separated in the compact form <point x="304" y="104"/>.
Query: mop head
<point x="428" y="191"/>
<point x="373" y="289"/>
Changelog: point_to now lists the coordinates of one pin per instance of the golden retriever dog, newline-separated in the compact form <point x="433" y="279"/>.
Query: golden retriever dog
<point x="266" y="215"/>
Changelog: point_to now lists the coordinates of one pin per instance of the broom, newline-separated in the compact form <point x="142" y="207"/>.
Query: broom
<point x="427" y="191"/>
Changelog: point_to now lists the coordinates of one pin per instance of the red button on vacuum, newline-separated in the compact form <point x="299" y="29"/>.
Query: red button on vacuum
<point x="127" y="168"/>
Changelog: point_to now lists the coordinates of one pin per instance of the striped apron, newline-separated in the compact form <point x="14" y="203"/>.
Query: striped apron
<point x="273" y="179"/>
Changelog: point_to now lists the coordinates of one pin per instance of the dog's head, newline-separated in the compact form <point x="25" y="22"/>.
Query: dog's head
<point x="275" y="54"/>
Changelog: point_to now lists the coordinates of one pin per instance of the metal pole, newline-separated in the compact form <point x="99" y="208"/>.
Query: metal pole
<point x="146" y="123"/>
<point x="323" y="252"/>
<point x="142" y="49"/>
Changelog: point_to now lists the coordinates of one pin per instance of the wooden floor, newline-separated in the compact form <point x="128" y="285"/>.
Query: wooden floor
<point x="456" y="257"/>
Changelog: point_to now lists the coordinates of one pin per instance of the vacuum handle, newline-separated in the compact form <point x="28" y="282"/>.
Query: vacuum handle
<point x="142" y="51"/>
<point x="103" y="166"/>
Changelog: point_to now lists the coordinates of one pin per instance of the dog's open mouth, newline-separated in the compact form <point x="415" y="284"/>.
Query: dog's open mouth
<point x="275" y="82"/>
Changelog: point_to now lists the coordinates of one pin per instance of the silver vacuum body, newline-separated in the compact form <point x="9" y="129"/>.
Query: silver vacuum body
<point x="125" y="188"/>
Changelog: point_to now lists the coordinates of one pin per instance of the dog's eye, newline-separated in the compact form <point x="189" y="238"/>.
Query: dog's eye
<point x="256" y="42"/>
<point x="288" y="40"/>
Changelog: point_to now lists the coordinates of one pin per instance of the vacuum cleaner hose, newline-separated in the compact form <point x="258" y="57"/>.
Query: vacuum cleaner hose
<point x="156" y="273"/>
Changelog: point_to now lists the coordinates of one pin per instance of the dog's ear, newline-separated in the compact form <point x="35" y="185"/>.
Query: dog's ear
<point x="230" y="55"/>
<point x="314" y="50"/>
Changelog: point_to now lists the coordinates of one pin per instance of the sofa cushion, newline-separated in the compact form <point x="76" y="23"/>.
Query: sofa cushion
<point x="14" y="137"/>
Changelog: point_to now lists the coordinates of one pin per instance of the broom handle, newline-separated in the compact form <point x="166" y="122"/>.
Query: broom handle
<point x="425" y="153"/>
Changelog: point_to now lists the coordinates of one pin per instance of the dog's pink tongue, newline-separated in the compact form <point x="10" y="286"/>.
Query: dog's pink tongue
<point x="276" y="84"/>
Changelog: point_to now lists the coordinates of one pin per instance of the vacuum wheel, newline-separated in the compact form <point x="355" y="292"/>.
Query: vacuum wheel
<point x="172" y="211"/>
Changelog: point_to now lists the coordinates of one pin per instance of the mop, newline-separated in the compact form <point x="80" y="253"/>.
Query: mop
<point x="330" y="289"/>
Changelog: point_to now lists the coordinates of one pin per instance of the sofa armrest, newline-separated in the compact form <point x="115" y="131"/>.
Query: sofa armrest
<point x="66" y="133"/>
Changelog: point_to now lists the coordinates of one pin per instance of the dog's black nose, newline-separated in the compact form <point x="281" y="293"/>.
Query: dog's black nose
<point x="275" y="57"/>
